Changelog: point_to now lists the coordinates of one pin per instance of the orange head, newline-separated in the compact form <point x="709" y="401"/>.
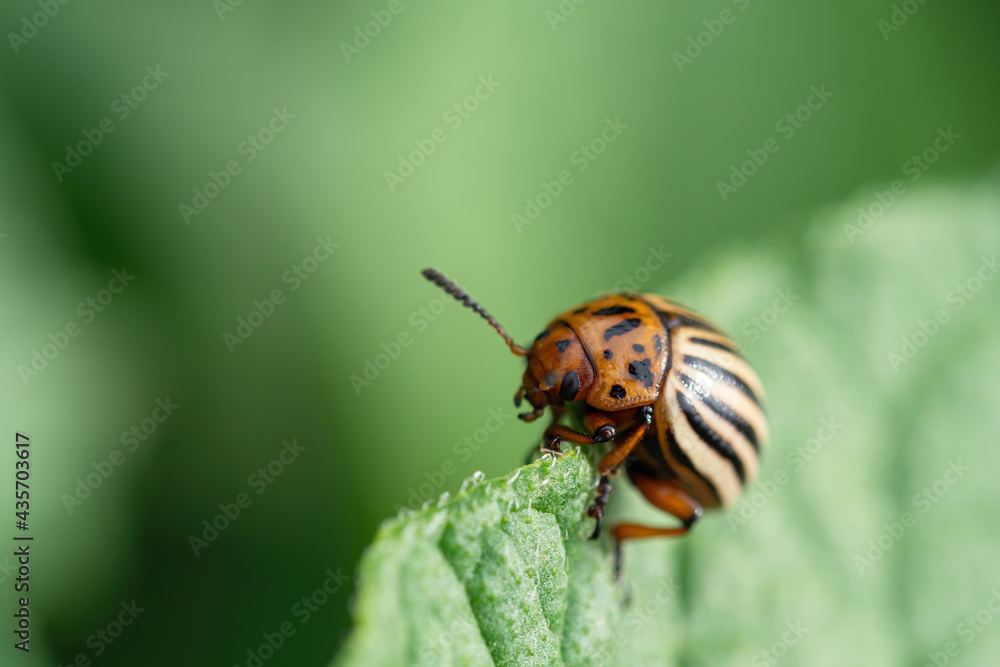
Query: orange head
<point x="559" y="370"/>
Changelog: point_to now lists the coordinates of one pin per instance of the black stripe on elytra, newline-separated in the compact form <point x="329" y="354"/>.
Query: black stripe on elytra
<point x="709" y="436"/>
<point x="720" y="375"/>
<point x="561" y="345"/>
<point x="724" y="410"/>
<point x="570" y="385"/>
<point x="640" y="370"/>
<point x="622" y="327"/>
<point x="676" y="320"/>
<point x="580" y="310"/>
<point x="716" y="344"/>
<point x="614" y="310"/>
<point x="682" y="459"/>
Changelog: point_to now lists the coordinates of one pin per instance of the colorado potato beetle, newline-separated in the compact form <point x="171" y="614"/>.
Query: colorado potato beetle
<point x="664" y="389"/>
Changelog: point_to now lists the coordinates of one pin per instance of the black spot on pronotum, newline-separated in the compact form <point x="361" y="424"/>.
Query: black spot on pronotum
<point x="608" y="354"/>
<point x="622" y="327"/>
<point x="542" y="335"/>
<point x="639" y="348"/>
<point x="640" y="371"/>
<point x="580" y="310"/>
<point x="617" y="391"/>
<point x="570" y="385"/>
<point x="561" y="345"/>
<point x="659" y="344"/>
<point x="614" y="310"/>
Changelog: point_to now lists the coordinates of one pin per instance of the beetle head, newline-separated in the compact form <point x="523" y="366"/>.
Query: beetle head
<point x="559" y="370"/>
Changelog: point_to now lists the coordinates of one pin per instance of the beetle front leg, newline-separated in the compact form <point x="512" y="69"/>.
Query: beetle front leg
<point x="609" y="464"/>
<point x="597" y="509"/>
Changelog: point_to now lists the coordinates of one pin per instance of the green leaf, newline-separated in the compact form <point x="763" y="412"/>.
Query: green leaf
<point x="870" y="536"/>
<point x="500" y="575"/>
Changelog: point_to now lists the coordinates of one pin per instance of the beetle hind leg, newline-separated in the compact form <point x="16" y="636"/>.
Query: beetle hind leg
<point x="664" y="494"/>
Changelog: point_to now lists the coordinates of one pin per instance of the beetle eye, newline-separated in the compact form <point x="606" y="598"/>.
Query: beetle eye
<point x="570" y="385"/>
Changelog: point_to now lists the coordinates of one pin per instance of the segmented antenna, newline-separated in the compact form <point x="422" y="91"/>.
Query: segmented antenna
<point x="445" y="283"/>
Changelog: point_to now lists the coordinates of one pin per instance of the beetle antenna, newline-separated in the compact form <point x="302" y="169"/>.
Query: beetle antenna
<point x="445" y="283"/>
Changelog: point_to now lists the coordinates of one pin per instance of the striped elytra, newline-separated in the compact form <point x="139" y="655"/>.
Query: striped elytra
<point x="672" y="398"/>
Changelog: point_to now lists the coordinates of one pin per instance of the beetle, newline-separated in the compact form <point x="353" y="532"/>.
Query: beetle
<point x="670" y="394"/>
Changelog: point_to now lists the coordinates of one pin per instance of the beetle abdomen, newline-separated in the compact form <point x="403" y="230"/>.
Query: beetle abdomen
<point x="710" y="423"/>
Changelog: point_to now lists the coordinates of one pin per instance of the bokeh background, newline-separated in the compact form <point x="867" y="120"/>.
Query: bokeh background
<point x="349" y="110"/>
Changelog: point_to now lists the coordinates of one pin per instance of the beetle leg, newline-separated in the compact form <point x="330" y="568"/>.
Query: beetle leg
<point x="609" y="464"/>
<point x="602" y="426"/>
<point x="664" y="494"/>
<point x="605" y="433"/>
<point x="597" y="509"/>
<point x="532" y="416"/>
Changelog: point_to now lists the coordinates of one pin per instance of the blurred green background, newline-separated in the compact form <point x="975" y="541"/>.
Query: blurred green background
<point x="308" y="117"/>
